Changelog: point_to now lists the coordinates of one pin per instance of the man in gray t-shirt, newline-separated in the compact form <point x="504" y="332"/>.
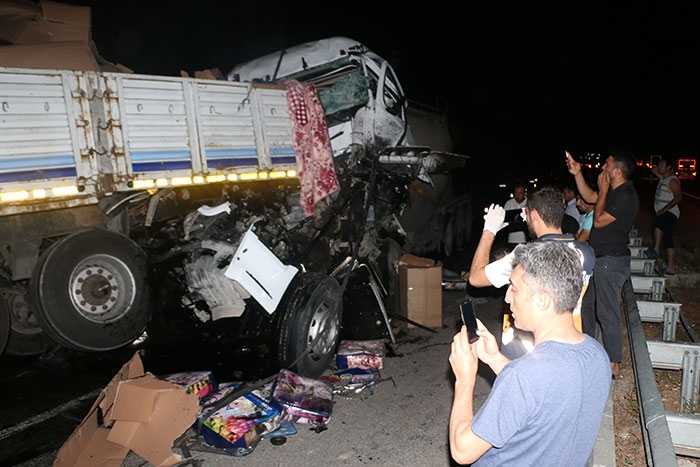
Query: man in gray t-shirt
<point x="545" y="408"/>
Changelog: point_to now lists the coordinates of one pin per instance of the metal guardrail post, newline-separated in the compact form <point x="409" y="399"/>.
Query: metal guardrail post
<point x="657" y="290"/>
<point x="689" y="382"/>
<point x="655" y="430"/>
<point x="670" y="322"/>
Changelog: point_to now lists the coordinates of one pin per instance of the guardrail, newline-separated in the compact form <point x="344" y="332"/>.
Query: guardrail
<point x="665" y="433"/>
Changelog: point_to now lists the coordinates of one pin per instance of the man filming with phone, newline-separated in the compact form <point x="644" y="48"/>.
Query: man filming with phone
<point x="545" y="407"/>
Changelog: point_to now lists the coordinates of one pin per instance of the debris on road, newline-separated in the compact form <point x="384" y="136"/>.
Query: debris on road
<point x="360" y="354"/>
<point x="303" y="400"/>
<point x="237" y="427"/>
<point x="353" y="381"/>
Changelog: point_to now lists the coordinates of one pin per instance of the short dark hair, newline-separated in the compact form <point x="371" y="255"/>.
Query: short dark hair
<point x="670" y="160"/>
<point x="625" y="162"/>
<point x="549" y="204"/>
<point x="571" y="186"/>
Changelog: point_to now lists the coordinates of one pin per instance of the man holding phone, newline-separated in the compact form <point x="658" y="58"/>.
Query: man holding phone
<point x="545" y="407"/>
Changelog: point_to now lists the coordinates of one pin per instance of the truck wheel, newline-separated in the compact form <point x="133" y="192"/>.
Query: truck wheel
<point x="311" y="308"/>
<point x="4" y="325"/>
<point x="89" y="291"/>
<point x="26" y="336"/>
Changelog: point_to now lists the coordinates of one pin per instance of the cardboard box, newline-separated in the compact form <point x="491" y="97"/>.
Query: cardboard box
<point x="50" y="22"/>
<point x="72" y="55"/>
<point x="420" y="291"/>
<point x="135" y="411"/>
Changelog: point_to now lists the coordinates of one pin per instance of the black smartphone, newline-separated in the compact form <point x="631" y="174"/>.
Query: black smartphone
<point x="466" y="308"/>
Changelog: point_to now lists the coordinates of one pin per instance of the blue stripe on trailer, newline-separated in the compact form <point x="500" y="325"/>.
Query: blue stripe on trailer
<point x="159" y="155"/>
<point x="231" y="152"/>
<point x="282" y="151"/>
<point x="29" y="175"/>
<point x="40" y="162"/>
<point x="232" y="162"/>
<point x="161" y="166"/>
<point x="283" y="160"/>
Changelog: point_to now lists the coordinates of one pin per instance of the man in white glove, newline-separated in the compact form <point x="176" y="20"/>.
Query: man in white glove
<point x="544" y="214"/>
<point x="494" y="220"/>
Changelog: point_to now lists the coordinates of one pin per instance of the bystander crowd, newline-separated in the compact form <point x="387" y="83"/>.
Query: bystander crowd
<point x="544" y="213"/>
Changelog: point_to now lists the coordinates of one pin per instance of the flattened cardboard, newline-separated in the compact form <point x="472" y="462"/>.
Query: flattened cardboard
<point x="154" y="412"/>
<point x="420" y="294"/>
<point x="88" y="446"/>
<point x="131" y="369"/>
<point x="73" y="55"/>
<point x="173" y="411"/>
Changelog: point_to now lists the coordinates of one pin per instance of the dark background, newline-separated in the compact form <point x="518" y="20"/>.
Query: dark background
<point x="522" y="82"/>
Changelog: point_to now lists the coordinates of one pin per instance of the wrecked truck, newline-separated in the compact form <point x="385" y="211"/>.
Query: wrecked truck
<point x="126" y="199"/>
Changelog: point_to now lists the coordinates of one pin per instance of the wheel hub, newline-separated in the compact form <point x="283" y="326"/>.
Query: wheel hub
<point x="101" y="288"/>
<point x="324" y="323"/>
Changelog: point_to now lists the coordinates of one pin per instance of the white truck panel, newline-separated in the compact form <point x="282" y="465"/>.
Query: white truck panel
<point x="89" y="133"/>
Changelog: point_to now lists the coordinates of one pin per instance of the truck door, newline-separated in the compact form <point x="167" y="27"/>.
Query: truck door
<point x="390" y="110"/>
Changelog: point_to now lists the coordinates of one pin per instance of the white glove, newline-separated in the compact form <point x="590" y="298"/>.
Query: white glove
<point x="494" y="220"/>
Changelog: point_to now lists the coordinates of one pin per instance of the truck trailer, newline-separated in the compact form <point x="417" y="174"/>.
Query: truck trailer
<point x="126" y="199"/>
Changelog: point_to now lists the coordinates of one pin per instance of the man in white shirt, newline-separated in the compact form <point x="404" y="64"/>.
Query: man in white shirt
<point x="518" y="201"/>
<point x="668" y="195"/>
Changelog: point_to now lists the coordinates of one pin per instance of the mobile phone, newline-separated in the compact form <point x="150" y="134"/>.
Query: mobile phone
<point x="466" y="308"/>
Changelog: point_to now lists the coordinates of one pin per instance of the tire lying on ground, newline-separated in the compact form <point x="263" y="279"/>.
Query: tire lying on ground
<point x="310" y="314"/>
<point x="90" y="292"/>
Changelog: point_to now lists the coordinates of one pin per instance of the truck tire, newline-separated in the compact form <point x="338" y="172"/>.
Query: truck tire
<point x="90" y="291"/>
<point x="4" y="324"/>
<point x="312" y="306"/>
<point x="26" y="336"/>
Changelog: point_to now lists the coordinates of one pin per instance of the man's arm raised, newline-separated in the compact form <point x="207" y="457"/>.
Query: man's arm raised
<point x="494" y="220"/>
<point x="587" y="193"/>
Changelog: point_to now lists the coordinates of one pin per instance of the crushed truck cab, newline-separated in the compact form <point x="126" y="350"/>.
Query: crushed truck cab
<point x="124" y="199"/>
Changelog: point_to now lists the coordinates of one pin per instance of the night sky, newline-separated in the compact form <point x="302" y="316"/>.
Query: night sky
<point x="522" y="83"/>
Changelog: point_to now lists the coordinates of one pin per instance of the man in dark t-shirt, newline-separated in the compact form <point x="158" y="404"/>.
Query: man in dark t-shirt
<point x="616" y="207"/>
